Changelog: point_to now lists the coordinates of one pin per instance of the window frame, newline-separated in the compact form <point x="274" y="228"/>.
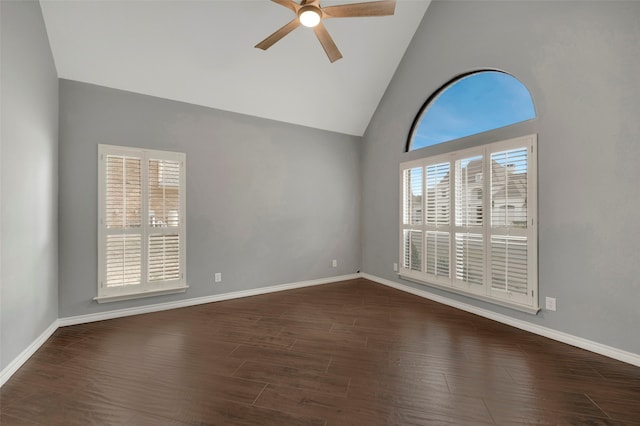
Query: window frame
<point x="146" y="288"/>
<point x="443" y="88"/>
<point x="486" y="292"/>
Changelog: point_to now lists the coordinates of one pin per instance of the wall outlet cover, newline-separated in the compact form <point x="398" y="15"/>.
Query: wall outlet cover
<point x="550" y="303"/>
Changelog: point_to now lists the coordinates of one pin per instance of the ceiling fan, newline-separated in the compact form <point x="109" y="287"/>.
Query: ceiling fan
<point x="310" y="14"/>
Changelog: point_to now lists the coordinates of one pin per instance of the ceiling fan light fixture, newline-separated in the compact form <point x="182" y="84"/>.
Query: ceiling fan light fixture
<point x="309" y="13"/>
<point x="309" y="16"/>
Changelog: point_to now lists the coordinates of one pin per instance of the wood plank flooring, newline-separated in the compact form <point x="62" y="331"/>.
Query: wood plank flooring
<point x="348" y="353"/>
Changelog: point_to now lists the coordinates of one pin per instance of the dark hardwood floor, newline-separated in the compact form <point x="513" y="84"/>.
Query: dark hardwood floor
<point x="348" y="353"/>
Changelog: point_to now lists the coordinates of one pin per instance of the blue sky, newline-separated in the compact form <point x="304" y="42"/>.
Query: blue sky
<point x="474" y="104"/>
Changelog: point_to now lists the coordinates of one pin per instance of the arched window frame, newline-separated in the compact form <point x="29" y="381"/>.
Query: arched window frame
<point x="431" y="99"/>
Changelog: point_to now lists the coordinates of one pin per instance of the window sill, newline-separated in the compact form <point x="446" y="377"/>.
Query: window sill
<point x="522" y="308"/>
<point x="139" y="295"/>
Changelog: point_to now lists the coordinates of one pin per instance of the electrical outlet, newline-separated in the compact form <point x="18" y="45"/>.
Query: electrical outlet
<point x="334" y="263"/>
<point x="217" y="277"/>
<point x="551" y="303"/>
<point x="395" y="267"/>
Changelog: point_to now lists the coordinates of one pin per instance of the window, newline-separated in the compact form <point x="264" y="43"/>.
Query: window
<point x="469" y="104"/>
<point x="476" y="236"/>
<point x="141" y="224"/>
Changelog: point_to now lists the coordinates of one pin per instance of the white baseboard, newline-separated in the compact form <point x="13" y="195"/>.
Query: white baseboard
<point x="14" y="365"/>
<point x="81" y="319"/>
<point x="18" y="361"/>
<point x="589" y="345"/>
<point x="579" y="342"/>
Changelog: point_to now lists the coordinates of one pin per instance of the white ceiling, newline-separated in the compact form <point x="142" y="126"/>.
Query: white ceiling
<point x="202" y="52"/>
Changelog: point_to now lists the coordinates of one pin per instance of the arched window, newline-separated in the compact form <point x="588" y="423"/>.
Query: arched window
<point x="469" y="104"/>
<point x="468" y="216"/>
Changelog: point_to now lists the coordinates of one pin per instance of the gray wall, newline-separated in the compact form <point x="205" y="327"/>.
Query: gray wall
<point x="270" y="203"/>
<point x="581" y="62"/>
<point x="267" y="203"/>
<point x="29" y="194"/>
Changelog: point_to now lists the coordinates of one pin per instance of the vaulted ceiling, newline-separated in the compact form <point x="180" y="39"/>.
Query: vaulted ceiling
<point x="202" y="52"/>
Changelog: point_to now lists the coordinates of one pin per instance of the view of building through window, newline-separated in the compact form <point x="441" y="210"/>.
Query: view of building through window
<point x="466" y="221"/>
<point x="472" y="104"/>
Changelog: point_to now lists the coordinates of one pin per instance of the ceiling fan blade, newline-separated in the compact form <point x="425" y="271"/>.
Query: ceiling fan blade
<point x="276" y="36"/>
<point x="373" y="8"/>
<point x="328" y="45"/>
<point x="289" y="4"/>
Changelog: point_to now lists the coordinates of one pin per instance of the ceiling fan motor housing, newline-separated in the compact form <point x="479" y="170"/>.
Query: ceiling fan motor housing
<point x="309" y="15"/>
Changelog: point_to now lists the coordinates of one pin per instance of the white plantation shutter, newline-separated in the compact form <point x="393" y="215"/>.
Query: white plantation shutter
<point x="412" y="211"/>
<point x="124" y="192"/>
<point x="438" y="191"/>
<point x="412" y="258"/>
<point x="469" y="208"/>
<point x="412" y="218"/>
<point x="140" y="257"/>
<point x="437" y="253"/>
<point x="164" y="257"/>
<point x="473" y="232"/>
<point x="438" y="222"/>
<point x="512" y="238"/>
<point x="509" y="264"/>
<point x="123" y="260"/>
<point x="469" y="192"/>
<point x="425" y="245"/>
<point x="470" y="258"/>
<point x="123" y="251"/>
<point x="164" y="216"/>
<point x="509" y="188"/>
<point x="164" y="193"/>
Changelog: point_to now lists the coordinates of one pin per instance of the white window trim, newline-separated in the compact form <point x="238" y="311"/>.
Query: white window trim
<point x="146" y="288"/>
<point x="450" y="283"/>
